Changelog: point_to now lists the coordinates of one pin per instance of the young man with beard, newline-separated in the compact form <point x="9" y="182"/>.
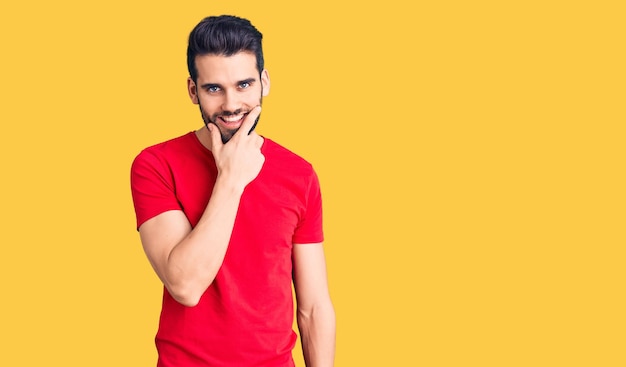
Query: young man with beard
<point x="228" y="219"/>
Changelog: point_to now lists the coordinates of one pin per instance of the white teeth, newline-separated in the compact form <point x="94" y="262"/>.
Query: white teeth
<point x="232" y="118"/>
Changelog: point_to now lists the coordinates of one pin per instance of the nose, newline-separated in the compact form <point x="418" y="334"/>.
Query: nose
<point x="231" y="102"/>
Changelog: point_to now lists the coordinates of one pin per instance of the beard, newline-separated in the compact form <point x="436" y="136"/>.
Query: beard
<point x="226" y="135"/>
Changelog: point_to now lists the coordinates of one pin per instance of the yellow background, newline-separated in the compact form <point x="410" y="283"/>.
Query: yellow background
<point x="471" y="155"/>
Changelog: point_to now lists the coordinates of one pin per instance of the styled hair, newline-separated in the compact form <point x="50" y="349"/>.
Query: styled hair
<point x="223" y="35"/>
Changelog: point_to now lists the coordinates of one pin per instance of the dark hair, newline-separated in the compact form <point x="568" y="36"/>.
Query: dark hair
<point x="223" y="35"/>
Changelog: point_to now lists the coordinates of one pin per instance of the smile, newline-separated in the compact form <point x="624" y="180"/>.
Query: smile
<point x="233" y="118"/>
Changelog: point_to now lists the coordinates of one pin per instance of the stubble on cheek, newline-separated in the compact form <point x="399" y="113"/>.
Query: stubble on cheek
<point x="225" y="135"/>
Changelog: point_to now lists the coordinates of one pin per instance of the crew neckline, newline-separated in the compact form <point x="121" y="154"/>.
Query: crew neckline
<point x="199" y="144"/>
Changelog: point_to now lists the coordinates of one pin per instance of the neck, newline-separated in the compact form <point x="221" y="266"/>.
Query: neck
<point x="204" y="136"/>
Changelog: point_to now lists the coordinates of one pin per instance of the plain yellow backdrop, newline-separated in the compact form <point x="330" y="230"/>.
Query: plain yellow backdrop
<point x="471" y="155"/>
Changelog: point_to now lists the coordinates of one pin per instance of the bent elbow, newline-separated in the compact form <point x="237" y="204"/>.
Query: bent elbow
<point x="186" y="297"/>
<point x="188" y="301"/>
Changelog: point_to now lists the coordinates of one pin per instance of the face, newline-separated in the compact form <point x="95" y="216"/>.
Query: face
<point x="227" y="88"/>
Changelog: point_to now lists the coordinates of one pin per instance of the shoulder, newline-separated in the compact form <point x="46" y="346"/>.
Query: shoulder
<point x="162" y="152"/>
<point x="287" y="159"/>
<point x="169" y="146"/>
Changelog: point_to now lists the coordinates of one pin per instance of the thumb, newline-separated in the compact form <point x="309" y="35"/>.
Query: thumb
<point x="216" y="138"/>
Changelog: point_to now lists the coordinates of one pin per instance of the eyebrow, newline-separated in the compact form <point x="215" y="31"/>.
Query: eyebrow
<point x="209" y="85"/>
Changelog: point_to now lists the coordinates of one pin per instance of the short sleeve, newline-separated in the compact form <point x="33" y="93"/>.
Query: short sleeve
<point x="310" y="228"/>
<point x="152" y="187"/>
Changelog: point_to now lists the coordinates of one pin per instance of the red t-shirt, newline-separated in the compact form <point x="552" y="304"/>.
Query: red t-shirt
<point x="245" y="317"/>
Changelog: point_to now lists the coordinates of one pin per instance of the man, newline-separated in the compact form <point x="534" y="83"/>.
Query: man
<point x="228" y="219"/>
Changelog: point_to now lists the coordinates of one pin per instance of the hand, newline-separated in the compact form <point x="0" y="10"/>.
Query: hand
<point x="240" y="160"/>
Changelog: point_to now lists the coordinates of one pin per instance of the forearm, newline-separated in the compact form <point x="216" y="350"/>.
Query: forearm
<point x="194" y="262"/>
<point x="317" y="332"/>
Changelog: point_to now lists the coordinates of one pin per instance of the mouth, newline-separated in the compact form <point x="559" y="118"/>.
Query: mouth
<point x="233" y="120"/>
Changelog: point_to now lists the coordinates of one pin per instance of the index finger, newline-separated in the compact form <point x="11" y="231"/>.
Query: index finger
<point x="249" y="121"/>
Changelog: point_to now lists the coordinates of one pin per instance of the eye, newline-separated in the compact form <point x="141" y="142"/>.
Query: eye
<point x="213" y="89"/>
<point x="244" y="85"/>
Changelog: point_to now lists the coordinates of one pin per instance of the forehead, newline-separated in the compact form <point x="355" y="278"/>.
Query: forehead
<point x="224" y="69"/>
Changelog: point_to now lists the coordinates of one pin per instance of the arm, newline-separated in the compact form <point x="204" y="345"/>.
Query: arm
<point x="316" y="315"/>
<point x="185" y="259"/>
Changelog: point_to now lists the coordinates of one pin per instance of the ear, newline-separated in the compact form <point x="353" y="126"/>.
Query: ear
<point x="265" y="82"/>
<point x="192" y="90"/>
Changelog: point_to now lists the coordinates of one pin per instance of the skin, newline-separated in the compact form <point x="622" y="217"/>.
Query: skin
<point x="229" y="91"/>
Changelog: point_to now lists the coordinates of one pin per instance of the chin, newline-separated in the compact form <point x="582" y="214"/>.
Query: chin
<point x="227" y="135"/>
